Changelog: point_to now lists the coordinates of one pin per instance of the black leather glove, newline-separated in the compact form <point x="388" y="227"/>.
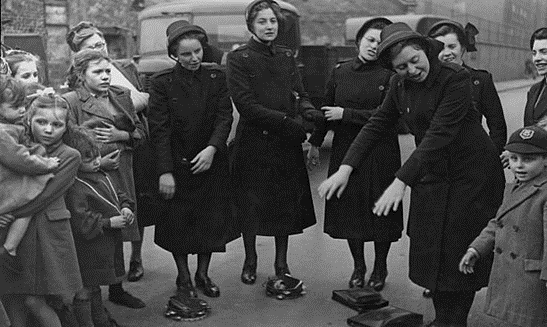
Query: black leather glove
<point x="313" y="115"/>
<point x="293" y="130"/>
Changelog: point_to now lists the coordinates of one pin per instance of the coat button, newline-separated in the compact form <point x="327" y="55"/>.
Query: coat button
<point x="498" y="250"/>
<point x="265" y="132"/>
<point x="476" y="82"/>
<point x="516" y="228"/>
<point x="513" y="255"/>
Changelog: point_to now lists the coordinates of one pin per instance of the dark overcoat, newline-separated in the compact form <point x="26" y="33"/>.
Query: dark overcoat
<point x="85" y="108"/>
<point x="517" y="291"/>
<point x="534" y="112"/>
<point x="188" y="112"/>
<point x="47" y="252"/>
<point x="272" y="188"/>
<point x="487" y="101"/>
<point x="92" y="201"/>
<point x="359" y="88"/>
<point x="454" y="173"/>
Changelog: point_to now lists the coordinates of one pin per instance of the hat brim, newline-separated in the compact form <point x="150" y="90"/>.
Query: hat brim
<point x="366" y="26"/>
<point x="524" y="148"/>
<point x="432" y="46"/>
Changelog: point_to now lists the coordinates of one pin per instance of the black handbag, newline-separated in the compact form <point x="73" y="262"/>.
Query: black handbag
<point x="387" y="317"/>
<point x="360" y="299"/>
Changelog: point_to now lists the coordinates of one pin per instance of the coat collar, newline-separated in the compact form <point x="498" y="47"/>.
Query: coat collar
<point x="262" y="48"/>
<point x="359" y="64"/>
<point x="522" y="193"/>
<point x="434" y="70"/>
<point x="90" y="104"/>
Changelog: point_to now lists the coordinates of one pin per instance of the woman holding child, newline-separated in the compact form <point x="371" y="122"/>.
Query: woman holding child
<point x="455" y="173"/>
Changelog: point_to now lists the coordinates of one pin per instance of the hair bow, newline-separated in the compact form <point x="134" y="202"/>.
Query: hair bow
<point x="48" y="91"/>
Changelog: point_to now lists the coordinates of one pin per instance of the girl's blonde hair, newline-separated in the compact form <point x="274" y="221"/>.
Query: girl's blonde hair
<point x="11" y="91"/>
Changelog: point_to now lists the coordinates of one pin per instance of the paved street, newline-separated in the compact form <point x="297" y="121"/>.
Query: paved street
<point x="322" y="262"/>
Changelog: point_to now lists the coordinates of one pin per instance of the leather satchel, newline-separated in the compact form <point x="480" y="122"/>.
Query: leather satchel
<point x="360" y="299"/>
<point x="387" y="317"/>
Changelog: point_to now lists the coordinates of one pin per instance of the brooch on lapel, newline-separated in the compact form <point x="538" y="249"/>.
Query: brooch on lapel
<point x="288" y="53"/>
<point x="381" y="87"/>
<point x="245" y="55"/>
<point x="476" y="82"/>
<point x="213" y="75"/>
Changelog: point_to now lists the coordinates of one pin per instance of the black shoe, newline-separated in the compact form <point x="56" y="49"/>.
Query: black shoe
<point x="377" y="280"/>
<point x="427" y="293"/>
<point x="282" y="271"/>
<point x="10" y="262"/>
<point x="357" y="278"/>
<point x="136" y="271"/>
<point x="207" y="286"/>
<point x="248" y="274"/>
<point x="125" y="299"/>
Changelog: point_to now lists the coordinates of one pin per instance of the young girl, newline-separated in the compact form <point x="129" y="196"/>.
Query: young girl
<point x="99" y="212"/>
<point x="24" y="171"/>
<point x="24" y="66"/>
<point x="47" y="252"/>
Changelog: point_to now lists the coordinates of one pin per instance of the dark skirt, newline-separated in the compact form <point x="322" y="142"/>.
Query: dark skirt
<point x="199" y="217"/>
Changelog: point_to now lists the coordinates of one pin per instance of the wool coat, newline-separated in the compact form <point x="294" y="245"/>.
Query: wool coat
<point x="271" y="184"/>
<point x="487" y="101"/>
<point x="190" y="111"/>
<point x="359" y="88"/>
<point x="92" y="201"/>
<point x="455" y="174"/>
<point x="85" y="107"/>
<point x="517" y="290"/>
<point x="533" y="112"/>
<point x="47" y="252"/>
<point x="23" y="172"/>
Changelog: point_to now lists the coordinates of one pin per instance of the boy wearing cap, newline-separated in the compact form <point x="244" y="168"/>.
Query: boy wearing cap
<point x="517" y="290"/>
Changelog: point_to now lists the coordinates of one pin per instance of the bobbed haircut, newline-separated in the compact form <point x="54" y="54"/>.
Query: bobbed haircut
<point x="80" y="63"/>
<point x="12" y="91"/>
<point x="81" y="139"/>
<point x="539" y="34"/>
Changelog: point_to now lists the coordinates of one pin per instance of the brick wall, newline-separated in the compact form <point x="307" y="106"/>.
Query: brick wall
<point x="28" y="16"/>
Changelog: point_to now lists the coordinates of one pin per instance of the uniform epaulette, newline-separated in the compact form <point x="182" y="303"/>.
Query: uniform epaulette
<point x="284" y="49"/>
<point x="240" y="48"/>
<point x="163" y="72"/>
<point x="343" y="61"/>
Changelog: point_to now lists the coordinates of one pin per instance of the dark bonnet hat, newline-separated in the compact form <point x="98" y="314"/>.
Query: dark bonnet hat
<point x="367" y="25"/>
<point x="533" y="37"/>
<point x="180" y="27"/>
<point x="467" y="33"/>
<point x="397" y="32"/>
<point x="250" y="7"/>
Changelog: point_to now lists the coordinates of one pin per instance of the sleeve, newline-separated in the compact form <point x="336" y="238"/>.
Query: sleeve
<point x="125" y="201"/>
<point x="159" y="121"/>
<point x="443" y="128"/>
<point x="484" y="243"/>
<point x="57" y="186"/>
<point x="493" y="112"/>
<point x="246" y="103"/>
<point x="306" y="108"/>
<point x="320" y="130"/>
<point x="224" y="118"/>
<point x="139" y="135"/>
<point x="84" y="220"/>
<point x="18" y="157"/>
<point x="378" y="126"/>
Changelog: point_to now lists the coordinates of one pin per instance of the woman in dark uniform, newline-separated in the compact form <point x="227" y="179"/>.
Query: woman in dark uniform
<point x="457" y="41"/>
<point x="272" y="190"/>
<point x="190" y="119"/>
<point x="355" y="89"/>
<point x="455" y="173"/>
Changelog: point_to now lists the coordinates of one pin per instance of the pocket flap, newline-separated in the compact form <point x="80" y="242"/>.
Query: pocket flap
<point x="532" y="265"/>
<point x="57" y="214"/>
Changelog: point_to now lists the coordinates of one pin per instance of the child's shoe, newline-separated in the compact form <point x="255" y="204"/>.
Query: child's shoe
<point x="10" y="262"/>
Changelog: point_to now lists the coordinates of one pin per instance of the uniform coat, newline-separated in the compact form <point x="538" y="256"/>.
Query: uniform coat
<point x="517" y="291"/>
<point x="47" y="252"/>
<point x="534" y="113"/>
<point x="455" y="173"/>
<point x="188" y="112"/>
<point x="359" y="88"/>
<point x="269" y="174"/>
<point x="85" y="107"/>
<point x="487" y="101"/>
<point x="92" y="201"/>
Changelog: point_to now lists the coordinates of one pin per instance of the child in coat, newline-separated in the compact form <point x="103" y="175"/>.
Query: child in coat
<point x="24" y="168"/>
<point x="517" y="290"/>
<point x="99" y="212"/>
